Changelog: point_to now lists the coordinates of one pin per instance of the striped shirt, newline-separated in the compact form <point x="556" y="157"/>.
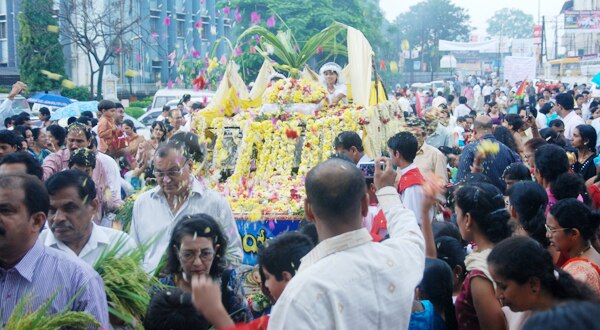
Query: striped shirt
<point x="43" y="272"/>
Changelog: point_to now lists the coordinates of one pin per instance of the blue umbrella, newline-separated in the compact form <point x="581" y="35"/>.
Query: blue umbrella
<point x="74" y="110"/>
<point x="50" y="99"/>
<point x="596" y="79"/>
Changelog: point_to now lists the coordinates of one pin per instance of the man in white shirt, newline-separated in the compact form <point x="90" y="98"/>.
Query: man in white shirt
<point x="439" y="100"/>
<point x="462" y="109"/>
<point x="73" y="204"/>
<point x="565" y="104"/>
<point x="179" y="194"/>
<point x="348" y="281"/>
<point x="487" y="92"/>
<point x="164" y="114"/>
<point x="177" y="121"/>
<point x="350" y="144"/>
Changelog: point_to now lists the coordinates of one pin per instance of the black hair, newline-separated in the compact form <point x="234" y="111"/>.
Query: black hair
<point x="556" y="123"/>
<point x="86" y="188"/>
<point x="84" y="120"/>
<point x="529" y="200"/>
<point x="552" y="137"/>
<point x="9" y="137"/>
<point x="35" y="133"/>
<point x="283" y="253"/>
<point x="87" y="114"/>
<point x="571" y="213"/>
<point x="58" y="132"/>
<point x="8" y="121"/>
<point x="198" y="225"/>
<point x="83" y="157"/>
<point x="189" y="144"/>
<point x="437" y="286"/>
<point x="186" y="97"/>
<point x="342" y="157"/>
<point x="506" y="136"/>
<point x="462" y="100"/>
<point x="517" y="172"/>
<point x="551" y="161"/>
<point x="572" y="315"/>
<point x="588" y="133"/>
<point x="36" y="195"/>
<point x="440" y="93"/>
<point x="452" y="251"/>
<point x="485" y="203"/>
<point x="166" y="108"/>
<point x="521" y="258"/>
<point x="129" y="123"/>
<point x="22" y="130"/>
<point x="81" y="128"/>
<point x="335" y="200"/>
<point x="546" y="108"/>
<point x="565" y="100"/>
<point x="94" y="121"/>
<point x="71" y="120"/>
<point x="569" y="185"/>
<point x="405" y="143"/>
<point x="309" y="229"/>
<point x="173" y="309"/>
<point x="21" y="119"/>
<point x="22" y="157"/>
<point x="443" y="228"/>
<point x="106" y="105"/>
<point x="162" y="127"/>
<point x="44" y="111"/>
<point x="515" y="121"/>
<point x="578" y="96"/>
<point x="119" y="105"/>
<point x="347" y="140"/>
<point x="450" y="99"/>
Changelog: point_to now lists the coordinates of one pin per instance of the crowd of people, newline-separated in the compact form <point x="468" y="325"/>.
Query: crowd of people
<point x="476" y="218"/>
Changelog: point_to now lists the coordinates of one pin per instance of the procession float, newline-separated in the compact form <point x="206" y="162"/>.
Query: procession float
<point x="260" y="143"/>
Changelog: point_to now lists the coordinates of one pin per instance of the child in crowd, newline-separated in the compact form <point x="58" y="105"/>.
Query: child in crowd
<point x="277" y="262"/>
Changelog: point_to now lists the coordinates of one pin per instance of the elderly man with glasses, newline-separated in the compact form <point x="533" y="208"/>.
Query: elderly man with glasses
<point x="178" y="194"/>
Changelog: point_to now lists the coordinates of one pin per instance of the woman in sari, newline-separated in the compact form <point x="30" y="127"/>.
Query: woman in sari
<point x="570" y="227"/>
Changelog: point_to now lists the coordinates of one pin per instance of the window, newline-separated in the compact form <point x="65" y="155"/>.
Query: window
<point x="3" y="30"/>
<point x="181" y="30"/>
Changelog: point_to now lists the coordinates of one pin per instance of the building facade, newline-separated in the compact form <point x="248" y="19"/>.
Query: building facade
<point x="9" y="28"/>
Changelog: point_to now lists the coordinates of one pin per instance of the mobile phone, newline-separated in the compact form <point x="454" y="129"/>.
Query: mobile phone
<point x="368" y="169"/>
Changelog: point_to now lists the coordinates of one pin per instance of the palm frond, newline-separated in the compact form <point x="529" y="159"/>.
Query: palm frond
<point x="318" y="40"/>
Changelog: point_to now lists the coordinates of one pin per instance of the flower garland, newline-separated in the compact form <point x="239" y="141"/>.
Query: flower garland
<point x="292" y="90"/>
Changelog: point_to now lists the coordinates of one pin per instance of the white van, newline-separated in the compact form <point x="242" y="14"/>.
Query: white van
<point x="164" y="95"/>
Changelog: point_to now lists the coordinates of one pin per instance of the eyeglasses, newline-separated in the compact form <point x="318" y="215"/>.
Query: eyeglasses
<point x="170" y="174"/>
<point x="554" y="230"/>
<point x="190" y="256"/>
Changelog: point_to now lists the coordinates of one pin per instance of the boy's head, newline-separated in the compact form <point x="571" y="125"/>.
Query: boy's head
<point x="280" y="259"/>
<point x="403" y="148"/>
<point x="371" y="190"/>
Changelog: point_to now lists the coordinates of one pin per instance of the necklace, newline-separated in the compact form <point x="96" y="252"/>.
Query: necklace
<point x="584" y="250"/>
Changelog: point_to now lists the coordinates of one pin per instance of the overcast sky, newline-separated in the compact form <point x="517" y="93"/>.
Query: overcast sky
<point x="480" y="10"/>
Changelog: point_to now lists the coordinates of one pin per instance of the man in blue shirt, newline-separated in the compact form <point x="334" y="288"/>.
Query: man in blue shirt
<point x="29" y="268"/>
<point x="492" y="166"/>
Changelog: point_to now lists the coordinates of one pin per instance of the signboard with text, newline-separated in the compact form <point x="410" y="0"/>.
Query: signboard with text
<point x="255" y="234"/>
<point x="582" y="20"/>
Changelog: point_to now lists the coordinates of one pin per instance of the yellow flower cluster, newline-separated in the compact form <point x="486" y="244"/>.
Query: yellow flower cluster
<point x="291" y="90"/>
<point x="276" y="152"/>
<point x="488" y="148"/>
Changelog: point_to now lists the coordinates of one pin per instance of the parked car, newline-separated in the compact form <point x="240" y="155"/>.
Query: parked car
<point x="19" y="105"/>
<point x="164" y="95"/>
<point x="149" y="117"/>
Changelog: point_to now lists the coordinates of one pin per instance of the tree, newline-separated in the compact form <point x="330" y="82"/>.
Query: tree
<point x="430" y="21"/>
<point x="98" y="28"/>
<point x="511" y="23"/>
<point x="38" y="46"/>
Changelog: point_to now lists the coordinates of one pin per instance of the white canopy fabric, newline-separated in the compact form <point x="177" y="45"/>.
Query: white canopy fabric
<point x="487" y="46"/>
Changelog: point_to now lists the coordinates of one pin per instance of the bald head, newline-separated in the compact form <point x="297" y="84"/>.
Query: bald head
<point x="483" y="123"/>
<point x="334" y="189"/>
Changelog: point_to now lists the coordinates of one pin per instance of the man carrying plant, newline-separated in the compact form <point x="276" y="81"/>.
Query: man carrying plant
<point x="31" y="271"/>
